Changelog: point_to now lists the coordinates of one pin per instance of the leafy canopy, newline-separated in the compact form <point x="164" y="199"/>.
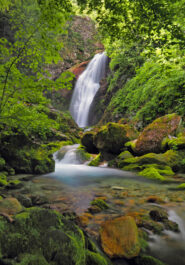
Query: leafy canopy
<point x="29" y="41"/>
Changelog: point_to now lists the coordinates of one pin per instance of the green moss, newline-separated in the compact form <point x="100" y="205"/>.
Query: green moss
<point x="131" y="145"/>
<point x="181" y="186"/>
<point x="125" y="155"/>
<point x="95" y="259"/>
<point x="95" y="162"/>
<point x="112" y="137"/>
<point x="147" y="260"/>
<point x="82" y="154"/>
<point x="2" y="163"/>
<point x="152" y="173"/>
<point x="30" y="259"/>
<point x="100" y="203"/>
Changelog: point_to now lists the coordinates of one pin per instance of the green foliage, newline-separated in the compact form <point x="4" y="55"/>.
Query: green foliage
<point x="34" y="28"/>
<point x="157" y="88"/>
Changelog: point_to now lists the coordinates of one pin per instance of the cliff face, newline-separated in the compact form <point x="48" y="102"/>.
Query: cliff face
<point x="80" y="44"/>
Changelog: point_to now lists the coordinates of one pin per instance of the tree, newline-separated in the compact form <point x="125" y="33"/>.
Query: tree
<point x="32" y="43"/>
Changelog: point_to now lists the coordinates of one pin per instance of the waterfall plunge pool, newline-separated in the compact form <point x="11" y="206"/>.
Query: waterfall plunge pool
<point x="75" y="185"/>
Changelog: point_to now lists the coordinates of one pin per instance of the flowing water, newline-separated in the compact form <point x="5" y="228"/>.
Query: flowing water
<point x="81" y="183"/>
<point x="86" y="88"/>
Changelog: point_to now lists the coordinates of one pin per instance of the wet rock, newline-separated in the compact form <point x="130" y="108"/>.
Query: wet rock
<point x="100" y="203"/>
<point x="154" y="199"/>
<point x="112" y="137"/>
<point x="119" y="238"/>
<point x="149" y="141"/>
<point x="155" y="227"/>
<point x="10" y="206"/>
<point x="14" y="184"/>
<point x="39" y="199"/>
<point x="87" y="141"/>
<point x="94" y="209"/>
<point x="78" y="69"/>
<point x="24" y="200"/>
<point x="170" y="225"/>
<point x="159" y="215"/>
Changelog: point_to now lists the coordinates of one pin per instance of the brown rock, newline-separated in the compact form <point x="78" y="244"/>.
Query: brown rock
<point x="149" y="141"/>
<point x="10" y="206"/>
<point x="119" y="238"/>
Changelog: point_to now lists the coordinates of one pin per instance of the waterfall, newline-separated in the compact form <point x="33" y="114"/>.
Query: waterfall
<point x="86" y="87"/>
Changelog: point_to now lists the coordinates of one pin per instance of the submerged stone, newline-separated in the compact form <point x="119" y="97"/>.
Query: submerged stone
<point x="119" y="238"/>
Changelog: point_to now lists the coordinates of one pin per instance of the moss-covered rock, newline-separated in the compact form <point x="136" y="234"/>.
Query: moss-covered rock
<point x="152" y="173"/>
<point x="100" y="203"/>
<point x="30" y="259"/>
<point x="181" y="186"/>
<point x="95" y="259"/>
<point x="112" y="137"/>
<point x="175" y="143"/>
<point x="151" y="138"/>
<point x="10" y="206"/>
<point x="14" y="184"/>
<point x="40" y="236"/>
<point x="87" y="141"/>
<point x="82" y="154"/>
<point x="96" y="161"/>
<point x="3" y="179"/>
<point x="147" y="260"/>
<point x="119" y="238"/>
<point x="2" y="163"/>
<point x="154" y="165"/>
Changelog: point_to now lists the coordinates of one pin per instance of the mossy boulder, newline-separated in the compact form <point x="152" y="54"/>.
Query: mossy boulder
<point x="10" y="206"/>
<point x="40" y="236"/>
<point x="156" y="173"/>
<point x="112" y="137"/>
<point x="149" y="141"/>
<point x="154" y="164"/>
<point x="119" y="238"/>
<point x="87" y="141"/>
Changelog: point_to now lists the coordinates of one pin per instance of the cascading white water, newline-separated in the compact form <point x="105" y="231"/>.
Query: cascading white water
<point x="86" y="88"/>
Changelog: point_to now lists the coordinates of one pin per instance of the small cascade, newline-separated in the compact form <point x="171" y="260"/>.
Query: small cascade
<point x="68" y="155"/>
<point x="86" y="88"/>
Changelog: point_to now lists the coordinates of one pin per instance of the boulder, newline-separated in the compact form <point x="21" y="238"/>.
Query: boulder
<point x="112" y="137"/>
<point x="87" y="141"/>
<point x="42" y="236"/>
<point x="10" y="206"/>
<point x="149" y="141"/>
<point x="119" y="238"/>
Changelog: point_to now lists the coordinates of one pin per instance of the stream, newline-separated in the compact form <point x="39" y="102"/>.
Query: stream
<point x="74" y="185"/>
